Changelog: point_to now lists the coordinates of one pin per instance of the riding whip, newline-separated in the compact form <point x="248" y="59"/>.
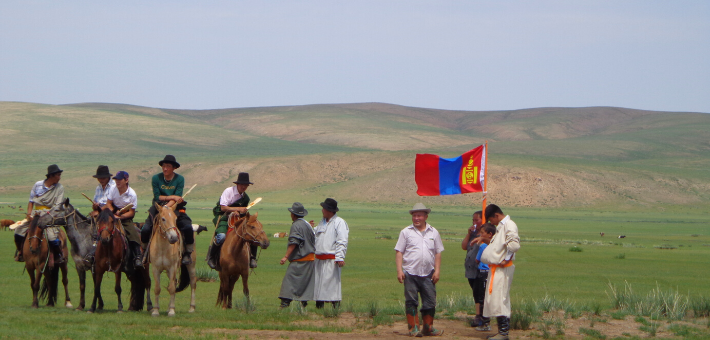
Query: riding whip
<point x="87" y="197"/>
<point x="193" y="187"/>
<point x="257" y="200"/>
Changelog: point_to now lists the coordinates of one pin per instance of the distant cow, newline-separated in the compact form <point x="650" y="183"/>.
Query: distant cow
<point x="622" y="236"/>
<point x="198" y="228"/>
<point x="280" y="235"/>
<point x="4" y="224"/>
<point x="601" y="234"/>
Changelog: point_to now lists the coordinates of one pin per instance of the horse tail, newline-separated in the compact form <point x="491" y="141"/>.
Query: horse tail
<point x="49" y="284"/>
<point x="137" y="295"/>
<point x="221" y="297"/>
<point x="184" y="278"/>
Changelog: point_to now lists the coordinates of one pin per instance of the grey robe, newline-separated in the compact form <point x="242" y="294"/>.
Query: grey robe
<point x="299" y="281"/>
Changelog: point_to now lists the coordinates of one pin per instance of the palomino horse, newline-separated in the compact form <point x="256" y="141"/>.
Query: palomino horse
<point x="234" y="255"/>
<point x="81" y="234"/>
<point x="166" y="255"/>
<point x="110" y="252"/>
<point x="38" y="261"/>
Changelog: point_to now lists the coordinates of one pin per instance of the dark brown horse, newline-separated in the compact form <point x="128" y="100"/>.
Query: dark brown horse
<point x="234" y="255"/>
<point x="110" y="251"/>
<point x="39" y="261"/>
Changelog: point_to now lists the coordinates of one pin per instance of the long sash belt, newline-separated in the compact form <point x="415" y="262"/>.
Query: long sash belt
<point x="325" y="256"/>
<point x="309" y="257"/>
<point x="493" y="273"/>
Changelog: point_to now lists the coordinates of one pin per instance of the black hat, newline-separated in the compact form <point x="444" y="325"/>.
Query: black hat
<point x="102" y="172"/>
<point x="243" y="178"/>
<point x="330" y="205"/>
<point x="298" y="209"/>
<point x="170" y="159"/>
<point x="53" y="169"/>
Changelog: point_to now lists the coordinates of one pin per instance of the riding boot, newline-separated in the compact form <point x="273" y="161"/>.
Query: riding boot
<point x="252" y="258"/>
<point x="503" y="328"/>
<point x="19" y="243"/>
<point x="137" y="255"/>
<point x="187" y="254"/>
<point x="428" y="319"/>
<point x="413" y="323"/>
<point x="56" y="248"/>
<point x="213" y="255"/>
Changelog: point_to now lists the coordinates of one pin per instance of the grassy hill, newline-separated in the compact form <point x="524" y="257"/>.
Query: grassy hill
<point x="602" y="157"/>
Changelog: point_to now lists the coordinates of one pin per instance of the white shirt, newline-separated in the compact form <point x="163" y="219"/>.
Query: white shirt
<point x="101" y="194"/>
<point x="332" y="237"/>
<point x="419" y="249"/>
<point x="38" y="190"/>
<point x="229" y="196"/>
<point x="120" y="201"/>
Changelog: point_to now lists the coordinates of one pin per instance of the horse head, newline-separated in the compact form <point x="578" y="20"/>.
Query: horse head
<point x="254" y="231"/>
<point x="35" y="235"/>
<point x="106" y="223"/>
<point x="166" y="223"/>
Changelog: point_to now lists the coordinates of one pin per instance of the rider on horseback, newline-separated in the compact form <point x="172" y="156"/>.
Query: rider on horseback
<point x="119" y="197"/>
<point x="233" y="199"/>
<point x="103" y="175"/>
<point x="44" y="195"/>
<point x="167" y="191"/>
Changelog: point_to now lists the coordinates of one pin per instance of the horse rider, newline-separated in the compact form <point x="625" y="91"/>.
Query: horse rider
<point x="105" y="184"/>
<point x="118" y="198"/>
<point x="233" y="199"/>
<point x="167" y="191"/>
<point x="44" y="195"/>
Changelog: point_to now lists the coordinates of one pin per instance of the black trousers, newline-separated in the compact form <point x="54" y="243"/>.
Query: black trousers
<point x="183" y="223"/>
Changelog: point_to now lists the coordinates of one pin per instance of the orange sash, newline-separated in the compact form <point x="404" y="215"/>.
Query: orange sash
<point x="309" y="257"/>
<point x="493" y="274"/>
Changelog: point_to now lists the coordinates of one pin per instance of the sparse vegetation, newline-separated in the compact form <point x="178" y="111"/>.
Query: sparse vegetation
<point x="575" y="249"/>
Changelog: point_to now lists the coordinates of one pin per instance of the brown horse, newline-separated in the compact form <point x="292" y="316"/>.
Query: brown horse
<point x="110" y="252"/>
<point x="166" y="255"/>
<point x="234" y="255"/>
<point x="39" y="261"/>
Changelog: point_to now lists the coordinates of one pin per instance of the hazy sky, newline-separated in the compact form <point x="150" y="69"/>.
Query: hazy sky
<point x="469" y="55"/>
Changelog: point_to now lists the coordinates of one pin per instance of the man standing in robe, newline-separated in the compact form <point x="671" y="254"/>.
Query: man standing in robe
<point x="298" y="281"/>
<point x="331" y="246"/>
<point x="499" y="256"/>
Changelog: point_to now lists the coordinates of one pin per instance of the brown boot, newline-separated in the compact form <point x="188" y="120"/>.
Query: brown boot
<point x="413" y="323"/>
<point x="428" y="319"/>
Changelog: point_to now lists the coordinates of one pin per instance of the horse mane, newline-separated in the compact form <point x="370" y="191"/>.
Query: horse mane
<point x="33" y="225"/>
<point x="106" y="216"/>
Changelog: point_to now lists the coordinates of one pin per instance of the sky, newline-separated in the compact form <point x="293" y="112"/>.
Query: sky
<point x="458" y="55"/>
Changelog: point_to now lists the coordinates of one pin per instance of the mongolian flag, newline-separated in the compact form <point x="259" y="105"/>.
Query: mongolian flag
<point x="437" y="176"/>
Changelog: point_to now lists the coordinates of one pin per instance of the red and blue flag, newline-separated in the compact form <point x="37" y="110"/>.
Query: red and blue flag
<point x="436" y="176"/>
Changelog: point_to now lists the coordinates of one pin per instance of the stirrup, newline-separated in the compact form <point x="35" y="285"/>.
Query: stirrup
<point x="186" y="258"/>
<point x="252" y="263"/>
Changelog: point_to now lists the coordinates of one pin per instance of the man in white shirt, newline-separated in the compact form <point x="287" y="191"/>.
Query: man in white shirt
<point x="233" y="199"/>
<point x="418" y="258"/>
<point x="331" y="246"/>
<point x="118" y="198"/>
<point x="105" y="184"/>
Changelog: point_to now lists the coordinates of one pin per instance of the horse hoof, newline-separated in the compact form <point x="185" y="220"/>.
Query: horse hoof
<point x="68" y="305"/>
<point x="79" y="309"/>
<point x="155" y="313"/>
<point x="192" y="310"/>
<point x="90" y="312"/>
<point x="119" y="312"/>
<point x="171" y="313"/>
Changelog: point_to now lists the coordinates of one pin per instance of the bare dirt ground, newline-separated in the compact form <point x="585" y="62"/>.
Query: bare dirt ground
<point x="453" y="329"/>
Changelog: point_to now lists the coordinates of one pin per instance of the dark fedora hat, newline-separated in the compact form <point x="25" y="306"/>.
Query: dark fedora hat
<point x="243" y="178"/>
<point x="330" y="205"/>
<point x="298" y="209"/>
<point x="170" y="159"/>
<point x="102" y="172"/>
<point x="53" y="169"/>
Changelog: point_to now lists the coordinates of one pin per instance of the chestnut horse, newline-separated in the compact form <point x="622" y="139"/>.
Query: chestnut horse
<point x="110" y="252"/>
<point x="234" y="255"/>
<point x="38" y="261"/>
<point x="166" y="255"/>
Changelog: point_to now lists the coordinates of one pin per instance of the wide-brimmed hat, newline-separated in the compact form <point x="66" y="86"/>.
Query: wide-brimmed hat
<point x="121" y="175"/>
<point x="243" y="178"/>
<point x="102" y="172"/>
<point x="419" y="207"/>
<point x="170" y="159"/>
<point x="53" y="169"/>
<point x="298" y="209"/>
<point x="330" y="205"/>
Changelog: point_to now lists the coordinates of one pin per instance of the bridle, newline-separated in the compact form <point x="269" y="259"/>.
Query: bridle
<point x="241" y="231"/>
<point x="164" y="229"/>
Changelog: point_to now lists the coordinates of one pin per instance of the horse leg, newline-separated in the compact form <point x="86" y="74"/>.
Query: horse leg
<point x="245" y="284"/>
<point x="98" y="277"/>
<point x="156" y="278"/>
<point x="34" y="284"/>
<point x="232" y="280"/>
<point x="82" y="286"/>
<point x="118" y="290"/>
<point x="172" y="272"/>
<point x="193" y="283"/>
<point x="65" y="282"/>
<point x="146" y="275"/>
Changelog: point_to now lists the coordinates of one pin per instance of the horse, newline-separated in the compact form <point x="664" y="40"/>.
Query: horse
<point x="165" y="254"/>
<point x="110" y="252"/>
<point x="38" y="262"/>
<point x="234" y="255"/>
<point x="81" y="234"/>
<point x="4" y="224"/>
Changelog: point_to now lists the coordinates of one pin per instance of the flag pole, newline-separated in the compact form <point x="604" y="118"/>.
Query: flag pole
<point x="485" y="185"/>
